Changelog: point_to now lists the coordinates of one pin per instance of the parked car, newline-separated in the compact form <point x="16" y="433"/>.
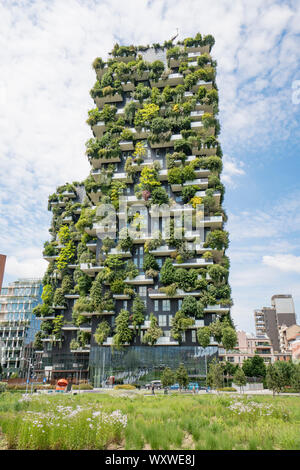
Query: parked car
<point x="174" y="387"/>
<point x="157" y="384"/>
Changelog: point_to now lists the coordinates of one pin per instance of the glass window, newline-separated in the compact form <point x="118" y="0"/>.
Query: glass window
<point x="166" y="305"/>
<point x="183" y="336"/>
<point x="156" y="306"/>
<point x="162" y="320"/>
<point x="143" y="291"/>
<point x="179" y="303"/>
<point x="194" y="339"/>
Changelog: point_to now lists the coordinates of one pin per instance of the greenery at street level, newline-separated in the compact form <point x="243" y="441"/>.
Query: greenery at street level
<point x="127" y="419"/>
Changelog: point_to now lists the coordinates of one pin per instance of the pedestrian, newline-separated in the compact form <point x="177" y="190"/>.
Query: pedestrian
<point x="194" y="390"/>
<point x="152" y="389"/>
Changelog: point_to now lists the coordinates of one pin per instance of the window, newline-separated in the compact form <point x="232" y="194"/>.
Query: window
<point x="143" y="291"/>
<point x="156" y="306"/>
<point x="166" y="305"/>
<point x="194" y="338"/>
<point x="183" y="336"/>
<point x="162" y="320"/>
<point x="179" y="303"/>
<point x="125" y="303"/>
<point x="170" y="318"/>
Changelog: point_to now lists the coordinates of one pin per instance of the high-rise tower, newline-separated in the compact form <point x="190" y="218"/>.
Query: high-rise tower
<point x="142" y="270"/>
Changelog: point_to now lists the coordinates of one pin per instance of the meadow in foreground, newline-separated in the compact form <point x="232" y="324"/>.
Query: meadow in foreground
<point x="135" y="421"/>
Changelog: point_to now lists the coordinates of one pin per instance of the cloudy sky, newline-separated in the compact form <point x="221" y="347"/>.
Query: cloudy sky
<point x="46" y="50"/>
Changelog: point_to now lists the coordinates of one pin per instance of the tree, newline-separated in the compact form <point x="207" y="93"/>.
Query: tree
<point x="254" y="367"/>
<point x="181" y="376"/>
<point x="240" y="378"/>
<point x="138" y="310"/>
<point x="215" y="374"/>
<point x="278" y="376"/>
<point x="167" y="272"/>
<point x="168" y="377"/>
<point x="153" y="332"/>
<point x="295" y="379"/>
<point x="102" y="332"/>
<point x="203" y="336"/>
<point x="123" y="332"/>
<point x="229" y="337"/>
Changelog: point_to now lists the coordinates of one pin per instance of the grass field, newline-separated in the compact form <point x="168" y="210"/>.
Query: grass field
<point x="135" y="421"/>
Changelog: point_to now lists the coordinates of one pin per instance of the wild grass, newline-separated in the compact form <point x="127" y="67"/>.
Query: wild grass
<point x="100" y="421"/>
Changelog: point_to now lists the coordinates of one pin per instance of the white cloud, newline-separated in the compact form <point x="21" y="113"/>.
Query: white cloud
<point x="232" y="168"/>
<point x="283" y="262"/>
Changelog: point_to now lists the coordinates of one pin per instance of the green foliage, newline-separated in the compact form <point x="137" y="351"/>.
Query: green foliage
<point x="167" y="377"/>
<point x="66" y="256"/>
<point x="59" y="297"/>
<point x="102" y="332"/>
<point x="254" y="367"/>
<point x="58" y="322"/>
<point x="167" y="272"/>
<point x="138" y="311"/>
<point x="239" y="377"/>
<point x="181" y="376"/>
<point x="47" y="294"/>
<point x="123" y="332"/>
<point x="153" y="332"/>
<point x="203" y="336"/>
<point x="215" y="374"/>
<point x="217" y="239"/>
<point x="180" y="323"/>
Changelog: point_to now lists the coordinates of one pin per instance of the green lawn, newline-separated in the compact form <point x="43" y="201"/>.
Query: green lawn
<point x="134" y="421"/>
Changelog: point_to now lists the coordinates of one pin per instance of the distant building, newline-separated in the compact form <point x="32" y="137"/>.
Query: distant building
<point x="269" y="319"/>
<point x="290" y="340"/>
<point x="18" y="325"/>
<point x="249" y="346"/>
<point x="2" y="266"/>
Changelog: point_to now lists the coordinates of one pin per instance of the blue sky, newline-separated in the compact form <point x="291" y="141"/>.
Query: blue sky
<point x="46" y="51"/>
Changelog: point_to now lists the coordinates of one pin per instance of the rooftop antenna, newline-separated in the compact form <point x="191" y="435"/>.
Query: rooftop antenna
<point x="174" y="36"/>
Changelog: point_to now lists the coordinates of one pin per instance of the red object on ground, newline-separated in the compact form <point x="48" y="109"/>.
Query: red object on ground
<point x="61" y="384"/>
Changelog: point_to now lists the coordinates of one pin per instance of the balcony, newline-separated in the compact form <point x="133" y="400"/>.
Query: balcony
<point x="206" y="152"/>
<point x="180" y="294"/>
<point x="194" y="263"/>
<point x="117" y="251"/>
<point x="67" y="220"/>
<point x="163" y="250"/>
<point x="94" y="314"/>
<point x="50" y="258"/>
<point x="97" y="162"/>
<point x="173" y="79"/>
<point x="127" y="86"/>
<point x="122" y="177"/>
<point x="121" y="297"/>
<point x="70" y="328"/>
<point x="196" y="51"/>
<point x="169" y="143"/>
<point x="101" y="72"/>
<point x="99" y="129"/>
<point x="217" y="308"/>
<point x="100" y="102"/>
<point x="95" y="196"/>
<point x="72" y="296"/>
<point x="196" y="115"/>
<point x="214" y="221"/>
<point x="200" y="83"/>
<point x="166" y="341"/>
<point x="89" y="269"/>
<point x="126" y="145"/>
<point x="92" y="246"/>
<point x="199" y="182"/>
<point x="139" y="280"/>
<point x="196" y="125"/>
<point x="73" y="266"/>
